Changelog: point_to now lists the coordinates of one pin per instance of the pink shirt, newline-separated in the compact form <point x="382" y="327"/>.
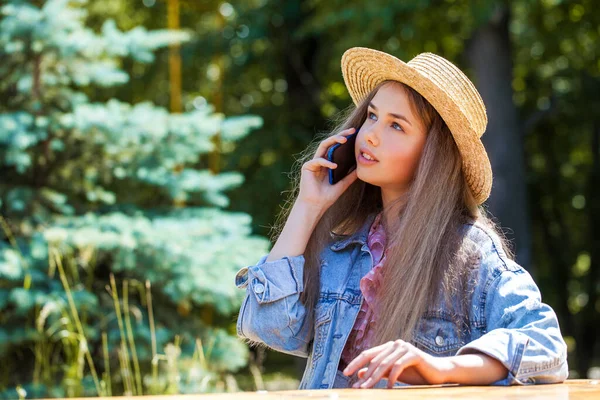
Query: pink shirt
<point x="361" y="333"/>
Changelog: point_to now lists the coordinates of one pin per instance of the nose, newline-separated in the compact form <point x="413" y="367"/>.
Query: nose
<point x="372" y="134"/>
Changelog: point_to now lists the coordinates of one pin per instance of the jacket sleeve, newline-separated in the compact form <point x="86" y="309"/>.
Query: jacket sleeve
<point x="522" y="332"/>
<point x="271" y="312"/>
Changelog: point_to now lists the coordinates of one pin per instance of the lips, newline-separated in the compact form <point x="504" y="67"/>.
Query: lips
<point x="364" y="150"/>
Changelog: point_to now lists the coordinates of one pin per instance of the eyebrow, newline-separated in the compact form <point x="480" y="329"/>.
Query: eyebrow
<point x="399" y="116"/>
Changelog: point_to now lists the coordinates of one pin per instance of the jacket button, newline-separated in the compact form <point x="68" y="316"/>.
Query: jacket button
<point x="439" y="340"/>
<point x="259" y="288"/>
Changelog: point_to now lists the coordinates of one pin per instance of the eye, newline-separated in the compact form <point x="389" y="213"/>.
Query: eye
<point x="394" y="124"/>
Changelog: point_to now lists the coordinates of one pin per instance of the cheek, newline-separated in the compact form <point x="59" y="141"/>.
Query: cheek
<point x="404" y="156"/>
<point x="403" y="162"/>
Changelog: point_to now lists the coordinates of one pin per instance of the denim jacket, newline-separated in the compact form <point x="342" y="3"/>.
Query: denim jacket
<point x="507" y="319"/>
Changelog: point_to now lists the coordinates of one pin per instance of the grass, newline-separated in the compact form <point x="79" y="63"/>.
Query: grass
<point x="67" y="335"/>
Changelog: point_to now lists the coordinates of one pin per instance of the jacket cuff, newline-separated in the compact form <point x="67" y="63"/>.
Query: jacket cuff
<point x="273" y="280"/>
<point x="508" y="348"/>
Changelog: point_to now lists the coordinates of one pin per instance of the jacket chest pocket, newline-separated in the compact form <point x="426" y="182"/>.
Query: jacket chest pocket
<point x="438" y="336"/>
<point x="323" y="316"/>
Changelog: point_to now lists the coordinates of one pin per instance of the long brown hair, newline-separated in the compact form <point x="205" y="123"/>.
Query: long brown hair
<point x="426" y="252"/>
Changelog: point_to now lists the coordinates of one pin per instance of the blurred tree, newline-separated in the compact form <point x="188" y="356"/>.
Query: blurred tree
<point x="556" y="86"/>
<point x="117" y="189"/>
<point x="489" y="54"/>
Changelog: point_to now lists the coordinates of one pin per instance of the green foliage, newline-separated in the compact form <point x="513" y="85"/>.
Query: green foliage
<point x="199" y="249"/>
<point x="99" y="192"/>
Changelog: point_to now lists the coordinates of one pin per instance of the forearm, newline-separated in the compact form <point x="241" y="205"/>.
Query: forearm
<point x="474" y="369"/>
<point x="297" y="231"/>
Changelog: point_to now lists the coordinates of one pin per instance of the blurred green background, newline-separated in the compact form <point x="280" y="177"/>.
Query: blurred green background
<point x="144" y="152"/>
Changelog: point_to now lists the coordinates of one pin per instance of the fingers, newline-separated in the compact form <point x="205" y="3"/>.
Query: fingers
<point x="361" y="372"/>
<point x="382" y="366"/>
<point x="316" y="164"/>
<point x="382" y="363"/>
<point x="346" y="132"/>
<point x="375" y="364"/>
<point x="339" y="138"/>
<point x="363" y="358"/>
<point x="399" y="366"/>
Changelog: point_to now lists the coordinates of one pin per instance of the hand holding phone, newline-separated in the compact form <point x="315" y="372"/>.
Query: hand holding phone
<point x="343" y="155"/>
<point x="315" y="191"/>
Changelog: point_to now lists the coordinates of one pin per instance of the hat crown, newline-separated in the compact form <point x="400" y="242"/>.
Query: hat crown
<point x="449" y="78"/>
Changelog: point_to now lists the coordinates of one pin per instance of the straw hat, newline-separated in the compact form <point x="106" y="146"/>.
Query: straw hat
<point x="448" y="90"/>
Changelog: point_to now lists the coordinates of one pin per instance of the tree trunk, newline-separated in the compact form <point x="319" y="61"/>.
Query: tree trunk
<point x="489" y="56"/>
<point x="588" y="335"/>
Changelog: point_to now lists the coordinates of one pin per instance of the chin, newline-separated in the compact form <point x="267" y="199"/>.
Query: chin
<point x="365" y="177"/>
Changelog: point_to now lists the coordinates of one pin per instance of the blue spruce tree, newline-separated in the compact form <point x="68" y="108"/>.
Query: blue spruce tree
<point x="101" y="201"/>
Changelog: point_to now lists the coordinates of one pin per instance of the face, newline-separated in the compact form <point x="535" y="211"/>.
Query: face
<point x="395" y="136"/>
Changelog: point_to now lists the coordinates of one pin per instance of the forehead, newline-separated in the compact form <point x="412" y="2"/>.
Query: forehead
<point x="391" y="96"/>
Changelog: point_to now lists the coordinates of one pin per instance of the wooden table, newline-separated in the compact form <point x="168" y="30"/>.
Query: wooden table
<point x="579" y="389"/>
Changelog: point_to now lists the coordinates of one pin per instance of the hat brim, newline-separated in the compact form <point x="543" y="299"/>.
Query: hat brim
<point x="364" y="68"/>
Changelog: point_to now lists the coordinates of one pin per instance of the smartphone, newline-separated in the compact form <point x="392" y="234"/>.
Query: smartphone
<point x="343" y="155"/>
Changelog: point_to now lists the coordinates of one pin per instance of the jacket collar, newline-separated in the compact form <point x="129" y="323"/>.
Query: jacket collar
<point x="360" y="236"/>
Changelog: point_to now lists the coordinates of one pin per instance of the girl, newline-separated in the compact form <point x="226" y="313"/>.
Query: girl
<point x="395" y="275"/>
